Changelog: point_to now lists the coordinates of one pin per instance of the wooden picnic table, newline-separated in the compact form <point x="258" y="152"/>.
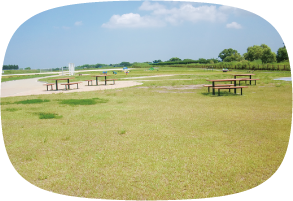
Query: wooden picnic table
<point x="101" y="76"/>
<point x="224" y="80"/>
<point x="235" y="76"/>
<point x="68" y="78"/>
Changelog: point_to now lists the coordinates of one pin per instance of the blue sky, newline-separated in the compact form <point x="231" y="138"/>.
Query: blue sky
<point x="112" y="32"/>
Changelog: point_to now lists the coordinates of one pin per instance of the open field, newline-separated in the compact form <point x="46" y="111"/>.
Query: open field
<point x="20" y="77"/>
<point x="165" y="139"/>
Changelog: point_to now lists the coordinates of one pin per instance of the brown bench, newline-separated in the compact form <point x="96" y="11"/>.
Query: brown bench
<point x="88" y="82"/>
<point x="244" y="79"/>
<point x="231" y="87"/>
<point x="217" y="85"/>
<point x="72" y="83"/>
<point x="49" y="84"/>
<point x="110" y="80"/>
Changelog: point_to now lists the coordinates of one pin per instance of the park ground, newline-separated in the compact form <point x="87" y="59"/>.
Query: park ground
<point x="167" y="138"/>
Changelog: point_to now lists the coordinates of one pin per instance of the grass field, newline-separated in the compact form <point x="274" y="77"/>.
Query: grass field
<point x="160" y="140"/>
<point x="21" y="77"/>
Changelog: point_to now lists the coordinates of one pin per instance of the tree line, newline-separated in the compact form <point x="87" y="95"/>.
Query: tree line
<point x="10" y="67"/>
<point x="176" y="60"/>
<point x="262" y="52"/>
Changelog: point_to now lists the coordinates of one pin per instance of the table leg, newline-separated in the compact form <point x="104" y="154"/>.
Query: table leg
<point x="235" y="86"/>
<point x="47" y="87"/>
<point x="250" y="79"/>
<point x="96" y="80"/>
<point x="105" y="80"/>
<point x="68" y="85"/>
<point x="213" y="88"/>
<point x="56" y="85"/>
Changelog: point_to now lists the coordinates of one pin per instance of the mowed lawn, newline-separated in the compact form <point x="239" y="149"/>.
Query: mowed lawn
<point x="153" y="141"/>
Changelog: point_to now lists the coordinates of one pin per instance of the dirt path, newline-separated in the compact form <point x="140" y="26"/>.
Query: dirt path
<point x="34" y="87"/>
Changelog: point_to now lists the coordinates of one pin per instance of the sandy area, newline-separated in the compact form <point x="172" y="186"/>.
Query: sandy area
<point x="34" y="87"/>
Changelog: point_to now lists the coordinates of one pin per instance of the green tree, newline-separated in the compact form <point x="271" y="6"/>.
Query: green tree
<point x="10" y="67"/>
<point x="282" y="54"/>
<point x="202" y="61"/>
<point x="157" y="61"/>
<point x="268" y="56"/>
<point x="255" y="52"/>
<point x="124" y="63"/>
<point x="227" y="52"/>
<point x="28" y="68"/>
<point x="234" y="57"/>
<point x="174" y="59"/>
<point x="212" y="61"/>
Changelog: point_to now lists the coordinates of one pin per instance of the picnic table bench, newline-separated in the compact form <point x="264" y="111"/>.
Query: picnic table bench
<point x="249" y="75"/>
<point x="71" y="83"/>
<point x="110" y="80"/>
<point x="88" y="82"/>
<point x="230" y="87"/>
<point x="217" y="85"/>
<point x="244" y="79"/>
<point x="49" y="84"/>
<point x="224" y="80"/>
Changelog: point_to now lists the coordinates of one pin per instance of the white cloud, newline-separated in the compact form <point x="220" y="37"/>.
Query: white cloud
<point x="234" y="25"/>
<point x="148" y="6"/>
<point x="78" y="23"/>
<point x="187" y="12"/>
<point x="132" y="20"/>
<point x="160" y="15"/>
